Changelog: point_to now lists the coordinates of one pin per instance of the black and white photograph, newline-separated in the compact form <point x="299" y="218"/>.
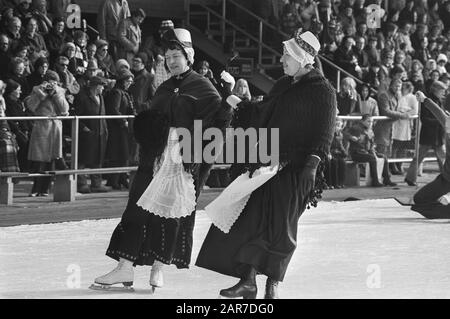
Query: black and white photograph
<point x="222" y="150"/>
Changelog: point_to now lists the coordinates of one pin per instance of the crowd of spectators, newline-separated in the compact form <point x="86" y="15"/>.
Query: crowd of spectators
<point x="48" y="69"/>
<point x="388" y="55"/>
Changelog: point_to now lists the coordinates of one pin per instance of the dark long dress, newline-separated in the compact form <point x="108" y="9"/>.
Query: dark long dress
<point x="143" y="237"/>
<point x="264" y="235"/>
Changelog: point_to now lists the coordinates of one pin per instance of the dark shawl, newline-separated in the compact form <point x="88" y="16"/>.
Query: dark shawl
<point x="304" y="112"/>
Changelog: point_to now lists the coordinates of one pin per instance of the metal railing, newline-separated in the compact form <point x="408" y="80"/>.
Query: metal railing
<point x="76" y="120"/>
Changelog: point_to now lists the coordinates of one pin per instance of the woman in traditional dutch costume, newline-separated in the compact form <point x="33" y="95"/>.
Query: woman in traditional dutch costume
<point x="157" y="225"/>
<point x="263" y="238"/>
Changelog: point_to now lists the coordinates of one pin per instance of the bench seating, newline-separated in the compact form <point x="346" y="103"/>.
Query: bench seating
<point x="65" y="186"/>
<point x="352" y="169"/>
<point x="7" y="184"/>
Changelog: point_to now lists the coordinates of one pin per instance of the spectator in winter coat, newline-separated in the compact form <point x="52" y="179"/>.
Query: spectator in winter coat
<point x="47" y="99"/>
<point x="141" y="90"/>
<point x="93" y="134"/>
<point x="111" y="13"/>
<point x="129" y="35"/>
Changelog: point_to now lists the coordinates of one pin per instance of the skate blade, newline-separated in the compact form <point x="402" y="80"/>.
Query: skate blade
<point x="229" y="298"/>
<point x="111" y="288"/>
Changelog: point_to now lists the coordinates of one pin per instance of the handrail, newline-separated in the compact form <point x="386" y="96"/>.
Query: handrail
<point x="70" y="117"/>
<point x="94" y="117"/>
<point x="93" y="29"/>
<point x="258" y="18"/>
<point x="240" y="29"/>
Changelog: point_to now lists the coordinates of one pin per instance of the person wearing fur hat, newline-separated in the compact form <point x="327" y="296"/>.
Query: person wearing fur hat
<point x="119" y="102"/>
<point x="47" y="99"/>
<point x="302" y="106"/>
<point x="150" y="234"/>
<point x="122" y="65"/>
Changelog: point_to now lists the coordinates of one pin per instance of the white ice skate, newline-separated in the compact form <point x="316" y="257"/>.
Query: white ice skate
<point x="122" y="274"/>
<point x="156" y="275"/>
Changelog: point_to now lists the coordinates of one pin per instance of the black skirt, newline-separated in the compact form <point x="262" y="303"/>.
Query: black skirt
<point x="143" y="237"/>
<point x="265" y="234"/>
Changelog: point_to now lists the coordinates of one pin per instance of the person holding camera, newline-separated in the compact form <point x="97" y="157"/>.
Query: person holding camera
<point x="47" y="99"/>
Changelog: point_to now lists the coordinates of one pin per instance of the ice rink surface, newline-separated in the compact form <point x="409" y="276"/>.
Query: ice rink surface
<point x="359" y="249"/>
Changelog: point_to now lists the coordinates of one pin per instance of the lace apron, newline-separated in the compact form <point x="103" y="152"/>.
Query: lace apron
<point x="171" y="193"/>
<point x="227" y="207"/>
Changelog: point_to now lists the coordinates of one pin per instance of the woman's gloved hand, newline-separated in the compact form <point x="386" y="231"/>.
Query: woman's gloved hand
<point x="227" y="83"/>
<point x="308" y="175"/>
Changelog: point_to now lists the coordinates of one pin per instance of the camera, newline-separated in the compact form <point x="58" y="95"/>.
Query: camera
<point x="48" y="88"/>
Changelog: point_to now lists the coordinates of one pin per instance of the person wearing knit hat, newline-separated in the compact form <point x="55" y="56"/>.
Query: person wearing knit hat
<point x="121" y="65"/>
<point x="100" y="43"/>
<point x="171" y="180"/>
<point x="302" y="107"/>
<point x="66" y="46"/>
<point x="104" y="59"/>
<point x="11" y="86"/>
<point x="52" y="76"/>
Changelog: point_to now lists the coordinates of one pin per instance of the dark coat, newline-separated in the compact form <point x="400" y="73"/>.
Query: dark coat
<point x="21" y="129"/>
<point x="5" y="60"/>
<point x="170" y="240"/>
<point x="265" y="234"/>
<point x="118" y="102"/>
<point x="93" y="134"/>
<point x="431" y="132"/>
<point x="141" y="90"/>
<point x="54" y="42"/>
<point x="337" y="148"/>
<point x="365" y="143"/>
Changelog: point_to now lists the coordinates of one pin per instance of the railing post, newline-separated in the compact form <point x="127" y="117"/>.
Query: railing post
<point x="338" y="81"/>
<point x="74" y="146"/>
<point x="260" y="42"/>
<point x="208" y="24"/>
<point x="224" y="16"/>
<point x="417" y="141"/>
<point x="187" y="8"/>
